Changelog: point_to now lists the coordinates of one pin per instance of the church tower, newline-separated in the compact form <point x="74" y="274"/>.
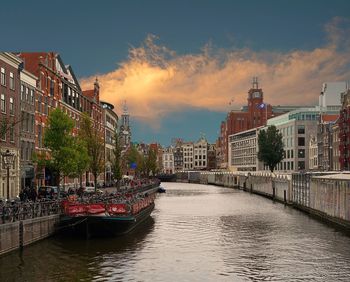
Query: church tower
<point x="125" y="131"/>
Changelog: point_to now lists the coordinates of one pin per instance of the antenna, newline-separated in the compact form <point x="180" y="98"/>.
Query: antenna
<point x="255" y="82"/>
<point x="125" y="108"/>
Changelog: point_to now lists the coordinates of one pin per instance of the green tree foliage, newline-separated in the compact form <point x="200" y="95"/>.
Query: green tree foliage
<point x="116" y="164"/>
<point x="271" y="150"/>
<point x="82" y="159"/>
<point x="151" y="167"/>
<point x="134" y="157"/>
<point x="93" y="137"/>
<point x="59" y="139"/>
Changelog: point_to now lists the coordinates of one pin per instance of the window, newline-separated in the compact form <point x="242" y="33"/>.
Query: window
<point x="3" y="103"/>
<point x="27" y="92"/>
<point x="12" y="111"/>
<point x="39" y="136"/>
<point x="301" y="141"/>
<point x="3" y="77"/>
<point x="301" y="129"/>
<point x="301" y="153"/>
<point x="39" y="103"/>
<point x="32" y="96"/>
<point x="12" y="81"/>
<point x="27" y="122"/>
<point x="301" y="165"/>
<point x="22" y="149"/>
<point x="12" y="134"/>
<point x="52" y="87"/>
<point x="22" y="92"/>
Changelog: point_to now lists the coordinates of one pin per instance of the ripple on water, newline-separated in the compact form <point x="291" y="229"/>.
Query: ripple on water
<point x="196" y="233"/>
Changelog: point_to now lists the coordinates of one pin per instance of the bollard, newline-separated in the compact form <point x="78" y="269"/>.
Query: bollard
<point x="21" y="234"/>
<point x="285" y="196"/>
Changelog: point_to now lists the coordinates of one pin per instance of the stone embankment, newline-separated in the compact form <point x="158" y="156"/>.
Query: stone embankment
<point x="325" y="195"/>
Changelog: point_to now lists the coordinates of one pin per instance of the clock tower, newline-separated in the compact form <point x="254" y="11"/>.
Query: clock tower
<point x="257" y="109"/>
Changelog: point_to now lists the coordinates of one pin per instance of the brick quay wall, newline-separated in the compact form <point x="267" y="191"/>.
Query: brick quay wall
<point x="16" y="235"/>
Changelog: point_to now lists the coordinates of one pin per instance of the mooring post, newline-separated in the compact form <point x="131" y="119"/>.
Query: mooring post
<point x="21" y="234"/>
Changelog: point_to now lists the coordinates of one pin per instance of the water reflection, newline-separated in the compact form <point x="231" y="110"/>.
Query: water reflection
<point x="196" y="233"/>
<point x="62" y="258"/>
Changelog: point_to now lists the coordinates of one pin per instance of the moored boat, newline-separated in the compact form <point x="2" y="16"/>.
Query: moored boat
<point x="110" y="215"/>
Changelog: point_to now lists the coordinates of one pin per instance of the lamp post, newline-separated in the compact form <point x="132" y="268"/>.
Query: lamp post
<point x="8" y="158"/>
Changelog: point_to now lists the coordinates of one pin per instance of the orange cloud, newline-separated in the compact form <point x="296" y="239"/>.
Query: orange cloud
<point x="156" y="81"/>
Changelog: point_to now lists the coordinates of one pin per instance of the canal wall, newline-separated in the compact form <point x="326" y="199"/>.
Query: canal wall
<point x="322" y="194"/>
<point x="15" y="235"/>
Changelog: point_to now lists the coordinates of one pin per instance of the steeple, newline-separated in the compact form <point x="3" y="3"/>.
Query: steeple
<point x="125" y="108"/>
<point x="125" y="116"/>
<point x="96" y="90"/>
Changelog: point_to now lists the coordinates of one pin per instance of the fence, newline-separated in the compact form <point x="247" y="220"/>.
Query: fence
<point x="18" y="211"/>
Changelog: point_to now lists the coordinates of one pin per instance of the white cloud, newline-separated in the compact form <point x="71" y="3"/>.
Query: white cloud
<point x="156" y="81"/>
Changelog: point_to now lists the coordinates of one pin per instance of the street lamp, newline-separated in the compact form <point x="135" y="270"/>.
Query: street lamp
<point x="8" y="158"/>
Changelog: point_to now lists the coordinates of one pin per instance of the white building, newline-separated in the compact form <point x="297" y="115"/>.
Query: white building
<point x="168" y="160"/>
<point x="111" y="126"/>
<point x="313" y="153"/>
<point x="187" y="155"/>
<point x="330" y="97"/>
<point x="200" y="153"/>
<point x="243" y="149"/>
<point x="296" y="127"/>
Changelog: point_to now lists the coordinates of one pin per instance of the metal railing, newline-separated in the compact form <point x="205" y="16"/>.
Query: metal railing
<point x="17" y="211"/>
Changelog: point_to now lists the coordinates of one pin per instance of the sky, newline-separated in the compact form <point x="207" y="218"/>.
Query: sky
<point x="179" y="64"/>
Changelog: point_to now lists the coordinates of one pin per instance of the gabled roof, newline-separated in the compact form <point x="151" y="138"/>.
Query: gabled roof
<point x="89" y="93"/>
<point x="76" y="82"/>
<point x="329" y="118"/>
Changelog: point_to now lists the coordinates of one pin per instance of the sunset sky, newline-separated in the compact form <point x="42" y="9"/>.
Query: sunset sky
<point x="178" y="64"/>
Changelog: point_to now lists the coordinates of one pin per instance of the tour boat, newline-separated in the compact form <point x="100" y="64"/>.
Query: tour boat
<point x="110" y="215"/>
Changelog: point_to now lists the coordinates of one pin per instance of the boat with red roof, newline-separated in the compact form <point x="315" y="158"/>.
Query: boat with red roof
<point x="105" y="215"/>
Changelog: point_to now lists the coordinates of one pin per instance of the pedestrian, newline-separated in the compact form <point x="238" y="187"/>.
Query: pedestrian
<point x="22" y="195"/>
<point x="33" y="194"/>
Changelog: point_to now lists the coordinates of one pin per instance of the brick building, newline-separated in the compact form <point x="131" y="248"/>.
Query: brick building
<point x="254" y="115"/>
<point x="57" y="86"/>
<point x="344" y="132"/>
<point x="10" y="68"/>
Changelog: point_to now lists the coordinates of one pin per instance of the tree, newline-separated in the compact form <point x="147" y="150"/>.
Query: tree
<point x="58" y="138"/>
<point x="135" y="160"/>
<point x="93" y="137"/>
<point x="151" y="166"/>
<point x="271" y="150"/>
<point x="116" y="164"/>
<point x="82" y="158"/>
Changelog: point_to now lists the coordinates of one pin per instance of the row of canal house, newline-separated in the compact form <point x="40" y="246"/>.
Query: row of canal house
<point x="199" y="155"/>
<point x="31" y="85"/>
<point x="314" y="137"/>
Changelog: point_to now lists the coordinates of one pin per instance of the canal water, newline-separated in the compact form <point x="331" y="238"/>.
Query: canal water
<point x="196" y="233"/>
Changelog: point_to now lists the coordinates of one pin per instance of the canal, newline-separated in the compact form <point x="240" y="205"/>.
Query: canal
<point x="196" y="233"/>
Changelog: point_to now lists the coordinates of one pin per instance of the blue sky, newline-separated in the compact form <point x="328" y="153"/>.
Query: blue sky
<point x="95" y="38"/>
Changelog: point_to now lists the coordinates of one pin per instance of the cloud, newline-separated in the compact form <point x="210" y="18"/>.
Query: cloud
<point x="155" y="81"/>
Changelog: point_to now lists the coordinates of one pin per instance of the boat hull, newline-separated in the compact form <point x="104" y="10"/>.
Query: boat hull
<point x="98" y="226"/>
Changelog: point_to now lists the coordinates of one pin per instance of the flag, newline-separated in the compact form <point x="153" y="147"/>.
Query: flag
<point x="262" y="106"/>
